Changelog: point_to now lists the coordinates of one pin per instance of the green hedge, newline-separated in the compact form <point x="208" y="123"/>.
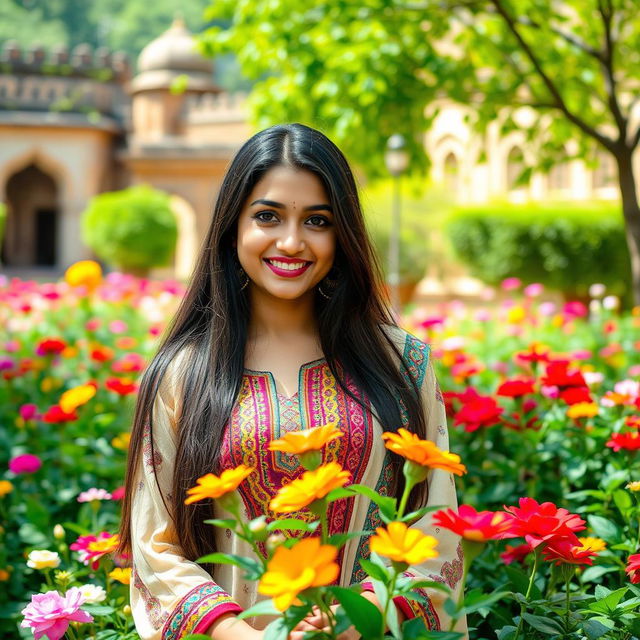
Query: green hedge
<point x="565" y="246"/>
<point x="133" y="230"/>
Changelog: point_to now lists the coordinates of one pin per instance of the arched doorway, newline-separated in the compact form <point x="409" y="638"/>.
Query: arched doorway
<point x="31" y="231"/>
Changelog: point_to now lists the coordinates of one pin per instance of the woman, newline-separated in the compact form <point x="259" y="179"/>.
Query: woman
<point x="283" y="327"/>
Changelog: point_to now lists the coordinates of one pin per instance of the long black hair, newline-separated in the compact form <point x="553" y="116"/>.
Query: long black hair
<point x="213" y="318"/>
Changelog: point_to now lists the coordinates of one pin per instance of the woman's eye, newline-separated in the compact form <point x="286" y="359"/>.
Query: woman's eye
<point x="318" y="221"/>
<point x="265" y="216"/>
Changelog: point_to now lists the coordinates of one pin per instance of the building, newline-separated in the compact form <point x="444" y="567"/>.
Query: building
<point x="75" y="124"/>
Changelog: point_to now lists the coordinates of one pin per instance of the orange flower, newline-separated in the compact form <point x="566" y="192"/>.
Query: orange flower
<point x="121" y="575"/>
<point x="401" y="544"/>
<point x="86" y="273"/>
<point x="423" y="452"/>
<point x="307" y="564"/>
<point x="298" y="442"/>
<point x="212" y="486"/>
<point x="583" y="410"/>
<point x="74" y="398"/>
<point x="311" y="486"/>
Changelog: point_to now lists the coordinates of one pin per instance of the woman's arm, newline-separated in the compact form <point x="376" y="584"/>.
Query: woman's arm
<point x="170" y="595"/>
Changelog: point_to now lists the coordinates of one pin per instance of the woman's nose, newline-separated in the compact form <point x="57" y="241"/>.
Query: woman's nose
<point x="291" y="240"/>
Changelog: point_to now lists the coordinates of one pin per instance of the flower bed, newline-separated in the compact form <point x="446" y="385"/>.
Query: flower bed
<point x="545" y="409"/>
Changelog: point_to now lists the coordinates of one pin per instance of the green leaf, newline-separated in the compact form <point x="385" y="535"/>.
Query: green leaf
<point x="607" y="603"/>
<point x="542" y="624"/>
<point x="603" y="528"/>
<point x="374" y="570"/>
<point x="476" y="600"/>
<point x="364" y="615"/>
<point x="252" y="567"/>
<point x="427" y="584"/>
<point x="97" y="609"/>
<point x="277" y="630"/>
<point x="387" y="505"/>
<point x="595" y="572"/>
<point x="623" y="501"/>
<point x="338" y="539"/>
<point x="292" y="524"/>
<point x="262" y="608"/>
<point x="338" y="494"/>
<point x="414" y="516"/>
<point x="228" y="523"/>
<point x="506" y="633"/>
<point x="594" y="629"/>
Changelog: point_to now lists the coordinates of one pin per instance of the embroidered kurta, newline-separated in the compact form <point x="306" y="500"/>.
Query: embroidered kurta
<point x="172" y="597"/>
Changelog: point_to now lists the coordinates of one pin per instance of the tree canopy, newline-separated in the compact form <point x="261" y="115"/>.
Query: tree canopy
<point x="364" y="69"/>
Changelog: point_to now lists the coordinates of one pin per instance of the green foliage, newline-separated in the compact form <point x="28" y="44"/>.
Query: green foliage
<point x="362" y="71"/>
<point x="3" y="220"/>
<point x="564" y="246"/>
<point x="133" y="229"/>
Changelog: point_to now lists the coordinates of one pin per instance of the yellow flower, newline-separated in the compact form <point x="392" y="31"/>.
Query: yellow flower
<point x="70" y="352"/>
<point x="595" y="544"/>
<point x="85" y="272"/>
<point x="121" y="575"/>
<point x="48" y="384"/>
<point x="73" y="398"/>
<point x="583" y="410"/>
<point x="307" y="564"/>
<point x="298" y="442"/>
<point x="121" y="441"/>
<point x="634" y="486"/>
<point x="311" y="486"/>
<point x="5" y="487"/>
<point x="516" y="315"/>
<point x="105" y="545"/>
<point x="212" y="486"/>
<point x="423" y="452"/>
<point x="401" y="544"/>
<point x="42" y="559"/>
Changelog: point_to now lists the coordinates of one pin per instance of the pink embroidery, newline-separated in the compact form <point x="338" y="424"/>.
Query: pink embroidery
<point x="151" y="456"/>
<point x="152" y="607"/>
<point x="451" y="572"/>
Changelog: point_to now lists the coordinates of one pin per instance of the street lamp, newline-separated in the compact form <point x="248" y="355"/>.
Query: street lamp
<point x="396" y="160"/>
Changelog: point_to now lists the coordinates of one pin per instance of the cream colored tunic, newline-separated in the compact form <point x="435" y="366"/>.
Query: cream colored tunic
<point x="172" y="596"/>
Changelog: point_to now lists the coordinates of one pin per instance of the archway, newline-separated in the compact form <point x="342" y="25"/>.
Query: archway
<point x="33" y="213"/>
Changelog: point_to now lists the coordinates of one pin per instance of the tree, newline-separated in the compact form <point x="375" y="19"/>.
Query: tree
<point x="364" y="69"/>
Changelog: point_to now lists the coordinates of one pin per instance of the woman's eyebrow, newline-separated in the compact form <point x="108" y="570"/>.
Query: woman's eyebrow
<point x="279" y="205"/>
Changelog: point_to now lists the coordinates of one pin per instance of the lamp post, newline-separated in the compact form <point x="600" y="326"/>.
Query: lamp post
<point x="396" y="160"/>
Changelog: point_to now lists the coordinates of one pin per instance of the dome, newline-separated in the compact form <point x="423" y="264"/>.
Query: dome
<point x="169" y="58"/>
<point x="174" y="50"/>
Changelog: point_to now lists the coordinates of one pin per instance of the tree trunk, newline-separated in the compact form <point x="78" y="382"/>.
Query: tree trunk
<point x="631" y="212"/>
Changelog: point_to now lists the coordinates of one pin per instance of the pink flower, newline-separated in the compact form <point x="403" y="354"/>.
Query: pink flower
<point x="49" y="614"/>
<point x="117" y="326"/>
<point x="575" y="309"/>
<point x="117" y="494"/>
<point x="547" y="309"/>
<point x="509" y="284"/>
<point x="26" y="463"/>
<point x="91" y="548"/>
<point x="533" y="290"/>
<point x="28" y="411"/>
<point x="94" y="494"/>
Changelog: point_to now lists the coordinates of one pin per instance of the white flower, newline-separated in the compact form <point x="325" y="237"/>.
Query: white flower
<point x="93" y="593"/>
<point x="611" y="302"/>
<point x="593" y="377"/>
<point x="43" y="559"/>
<point x="597" y="290"/>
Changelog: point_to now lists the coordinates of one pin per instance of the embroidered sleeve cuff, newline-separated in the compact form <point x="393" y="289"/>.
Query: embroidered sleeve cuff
<point x="198" y="610"/>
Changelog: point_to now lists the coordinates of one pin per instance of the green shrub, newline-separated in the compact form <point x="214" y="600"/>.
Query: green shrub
<point x="414" y="252"/>
<point x="132" y="230"/>
<point x="3" y="220"/>
<point x="565" y="246"/>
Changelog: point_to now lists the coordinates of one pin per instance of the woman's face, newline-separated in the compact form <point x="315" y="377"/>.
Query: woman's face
<point x="286" y="240"/>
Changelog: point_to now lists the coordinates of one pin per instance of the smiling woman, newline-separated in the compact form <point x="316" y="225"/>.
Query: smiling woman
<point x="283" y="328"/>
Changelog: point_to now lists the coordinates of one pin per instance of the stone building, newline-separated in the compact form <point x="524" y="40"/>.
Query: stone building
<point x="74" y="124"/>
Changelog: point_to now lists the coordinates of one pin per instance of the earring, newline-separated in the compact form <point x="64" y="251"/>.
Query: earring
<point x="330" y="284"/>
<point x="244" y="278"/>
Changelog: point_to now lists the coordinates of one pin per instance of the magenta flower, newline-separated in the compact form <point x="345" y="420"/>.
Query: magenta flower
<point x="6" y="364"/>
<point x="26" y="463"/>
<point x="49" y="614"/>
<point x="533" y="290"/>
<point x="28" y="411"/>
<point x="510" y="284"/>
<point x="117" y="494"/>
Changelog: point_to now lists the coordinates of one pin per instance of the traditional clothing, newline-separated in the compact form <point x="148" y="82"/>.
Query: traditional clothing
<point x="172" y="597"/>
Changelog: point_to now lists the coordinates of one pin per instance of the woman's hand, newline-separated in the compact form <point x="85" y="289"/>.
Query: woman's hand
<point x="317" y="620"/>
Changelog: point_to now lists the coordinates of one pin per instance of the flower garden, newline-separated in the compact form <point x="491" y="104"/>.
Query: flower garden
<point x="544" y="405"/>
